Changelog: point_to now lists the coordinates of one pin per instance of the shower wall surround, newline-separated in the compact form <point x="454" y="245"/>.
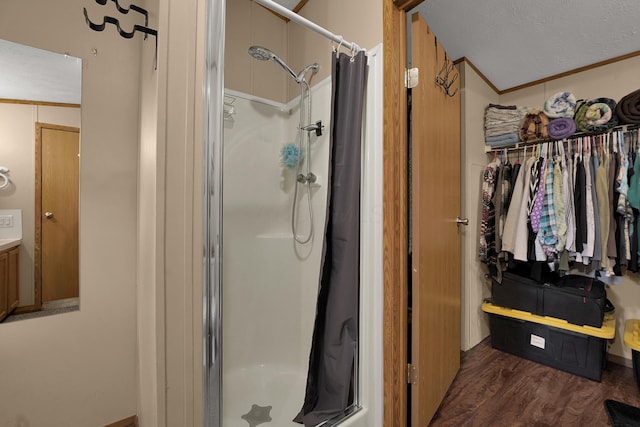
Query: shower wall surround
<point x="270" y="282"/>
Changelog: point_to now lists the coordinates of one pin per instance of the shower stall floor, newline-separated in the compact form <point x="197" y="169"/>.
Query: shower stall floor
<point x="248" y="392"/>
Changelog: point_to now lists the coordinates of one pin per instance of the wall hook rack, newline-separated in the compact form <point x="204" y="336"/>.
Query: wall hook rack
<point x="126" y="34"/>
<point x="125" y="11"/>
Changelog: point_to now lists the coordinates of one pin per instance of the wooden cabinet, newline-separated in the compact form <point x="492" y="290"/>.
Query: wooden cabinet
<point x="9" y="281"/>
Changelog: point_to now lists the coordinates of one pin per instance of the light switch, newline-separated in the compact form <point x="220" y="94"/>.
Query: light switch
<point x="6" y="220"/>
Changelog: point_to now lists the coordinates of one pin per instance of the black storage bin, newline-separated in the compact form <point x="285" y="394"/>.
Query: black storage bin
<point x="577" y="299"/>
<point x="569" y="351"/>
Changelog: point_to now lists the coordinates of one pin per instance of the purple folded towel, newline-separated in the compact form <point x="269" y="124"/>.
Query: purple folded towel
<point x="562" y="127"/>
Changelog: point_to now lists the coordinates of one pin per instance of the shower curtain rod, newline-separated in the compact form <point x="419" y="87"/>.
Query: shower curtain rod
<point x="270" y="4"/>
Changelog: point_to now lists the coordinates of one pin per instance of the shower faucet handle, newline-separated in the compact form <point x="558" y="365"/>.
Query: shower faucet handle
<point x="317" y="127"/>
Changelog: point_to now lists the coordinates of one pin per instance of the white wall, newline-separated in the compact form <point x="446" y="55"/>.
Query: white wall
<point x="611" y="81"/>
<point x="79" y="369"/>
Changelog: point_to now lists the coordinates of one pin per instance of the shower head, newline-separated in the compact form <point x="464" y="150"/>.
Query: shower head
<point x="264" y="54"/>
<point x="261" y="53"/>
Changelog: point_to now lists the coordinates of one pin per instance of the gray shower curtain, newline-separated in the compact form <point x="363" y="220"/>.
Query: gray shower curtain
<point x="330" y="379"/>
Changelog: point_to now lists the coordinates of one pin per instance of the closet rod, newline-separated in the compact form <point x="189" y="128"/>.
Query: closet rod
<point x="521" y="144"/>
<point x="269" y="4"/>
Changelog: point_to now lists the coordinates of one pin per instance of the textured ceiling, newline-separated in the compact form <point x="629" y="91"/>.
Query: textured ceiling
<point x="517" y="42"/>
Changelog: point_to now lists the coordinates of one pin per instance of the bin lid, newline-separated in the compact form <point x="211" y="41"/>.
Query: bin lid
<point x="632" y="334"/>
<point x="608" y="329"/>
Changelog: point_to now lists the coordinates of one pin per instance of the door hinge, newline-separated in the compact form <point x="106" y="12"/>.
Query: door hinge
<point x="411" y="78"/>
<point x="412" y="374"/>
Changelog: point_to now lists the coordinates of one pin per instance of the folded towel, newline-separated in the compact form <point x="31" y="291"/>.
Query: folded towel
<point x="561" y="104"/>
<point x="596" y="115"/>
<point x="562" y="127"/>
<point x="502" y="140"/>
<point x="503" y="107"/>
<point x="628" y="108"/>
<point x="505" y="119"/>
<point x="534" y="126"/>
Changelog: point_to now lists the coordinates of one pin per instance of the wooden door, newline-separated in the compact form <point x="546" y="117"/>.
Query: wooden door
<point x="435" y="238"/>
<point x="57" y="194"/>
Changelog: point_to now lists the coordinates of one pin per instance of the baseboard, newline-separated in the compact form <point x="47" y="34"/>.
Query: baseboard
<point x="131" y="421"/>
<point x="619" y="360"/>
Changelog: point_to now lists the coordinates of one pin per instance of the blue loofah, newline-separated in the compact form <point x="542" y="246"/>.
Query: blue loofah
<point x="290" y="156"/>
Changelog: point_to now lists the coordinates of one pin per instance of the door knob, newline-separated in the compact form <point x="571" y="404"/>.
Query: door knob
<point x="48" y="215"/>
<point x="463" y="221"/>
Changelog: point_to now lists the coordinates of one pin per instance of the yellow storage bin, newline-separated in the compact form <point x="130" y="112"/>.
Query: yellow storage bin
<point x="632" y="340"/>
<point x="607" y="331"/>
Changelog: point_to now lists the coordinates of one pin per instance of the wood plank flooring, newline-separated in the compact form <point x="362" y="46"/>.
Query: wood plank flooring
<point x="498" y="389"/>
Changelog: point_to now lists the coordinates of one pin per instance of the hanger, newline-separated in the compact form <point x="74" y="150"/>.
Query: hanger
<point x="442" y="77"/>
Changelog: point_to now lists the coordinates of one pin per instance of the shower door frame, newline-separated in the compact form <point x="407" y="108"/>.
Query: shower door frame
<point x="212" y="211"/>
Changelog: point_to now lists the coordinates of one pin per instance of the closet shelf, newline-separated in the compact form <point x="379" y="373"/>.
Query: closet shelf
<point x="521" y="144"/>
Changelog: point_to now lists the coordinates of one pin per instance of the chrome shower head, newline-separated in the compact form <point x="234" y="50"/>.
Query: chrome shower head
<point x="260" y="53"/>
<point x="264" y="54"/>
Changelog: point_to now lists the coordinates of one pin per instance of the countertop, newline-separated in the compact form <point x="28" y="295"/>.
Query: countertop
<point x="9" y="243"/>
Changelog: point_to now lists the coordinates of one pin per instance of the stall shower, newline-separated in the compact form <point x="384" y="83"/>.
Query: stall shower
<point x="293" y="233"/>
<point x="271" y="254"/>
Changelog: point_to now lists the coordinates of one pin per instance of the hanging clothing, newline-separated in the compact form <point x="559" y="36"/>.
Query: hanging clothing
<point x="559" y="202"/>
<point x="603" y="208"/>
<point x="487" y="248"/>
<point x="522" y="222"/>
<point x="580" y="199"/>
<point x="565" y="206"/>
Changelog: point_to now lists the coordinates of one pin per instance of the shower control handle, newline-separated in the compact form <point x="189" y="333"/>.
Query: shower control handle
<point x="308" y="179"/>
<point x="318" y="127"/>
<point x="48" y="215"/>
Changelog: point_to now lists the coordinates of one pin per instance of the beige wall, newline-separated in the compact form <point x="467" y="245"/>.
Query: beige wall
<point x="356" y="21"/>
<point x="79" y="369"/>
<point x="250" y="24"/>
<point x="476" y="95"/>
<point x="611" y="81"/>
<point x="176" y="259"/>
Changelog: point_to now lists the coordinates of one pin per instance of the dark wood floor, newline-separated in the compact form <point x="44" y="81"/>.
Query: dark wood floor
<point x="497" y="389"/>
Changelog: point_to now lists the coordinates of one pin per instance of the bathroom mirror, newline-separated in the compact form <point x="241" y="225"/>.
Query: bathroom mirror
<point x="40" y="95"/>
